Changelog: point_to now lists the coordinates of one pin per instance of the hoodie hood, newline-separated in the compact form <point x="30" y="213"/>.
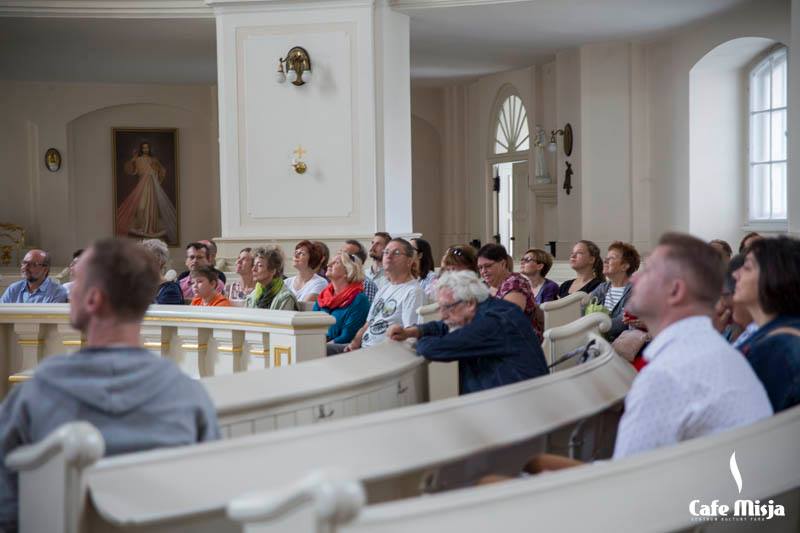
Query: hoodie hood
<point x="112" y="380"/>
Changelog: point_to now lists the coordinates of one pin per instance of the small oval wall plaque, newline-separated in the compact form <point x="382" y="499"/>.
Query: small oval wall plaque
<point x="568" y="139"/>
<point x="52" y="160"/>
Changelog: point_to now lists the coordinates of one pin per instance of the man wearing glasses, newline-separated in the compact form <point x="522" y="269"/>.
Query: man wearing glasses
<point x="492" y="339"/>
<point x="37" y="287"/>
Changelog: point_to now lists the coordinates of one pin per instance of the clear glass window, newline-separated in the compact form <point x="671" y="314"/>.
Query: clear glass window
<point x="511" y="132"/>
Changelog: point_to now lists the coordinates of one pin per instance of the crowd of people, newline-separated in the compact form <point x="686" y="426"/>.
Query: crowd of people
<point x="716" y="336"/>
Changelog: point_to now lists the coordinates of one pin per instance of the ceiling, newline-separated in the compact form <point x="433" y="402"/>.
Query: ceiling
<point x="447" y="43"/>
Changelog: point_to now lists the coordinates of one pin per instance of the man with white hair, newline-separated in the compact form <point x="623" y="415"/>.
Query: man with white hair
<point x="492" y="339"/>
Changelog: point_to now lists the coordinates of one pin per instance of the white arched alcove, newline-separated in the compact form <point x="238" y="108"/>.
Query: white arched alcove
<point x="718" y="138"/>
<point x="90" y="147"/>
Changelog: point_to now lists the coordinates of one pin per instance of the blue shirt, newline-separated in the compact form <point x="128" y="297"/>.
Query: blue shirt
<point x="497" y="348"/>
<point x="49" y="292"/>
<point x="349" y="319"/>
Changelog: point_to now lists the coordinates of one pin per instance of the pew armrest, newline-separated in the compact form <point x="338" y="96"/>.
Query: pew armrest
<point x="566" y="301"/>
<point x="335" y="496"/>
<point x="80" y="443"/>
<point x="583" y="325"/>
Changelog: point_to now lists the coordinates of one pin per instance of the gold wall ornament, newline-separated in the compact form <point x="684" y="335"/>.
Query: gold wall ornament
<point x="296" y="67"/>
<point x="297" y="161"/>
<point x="52" y="160"/>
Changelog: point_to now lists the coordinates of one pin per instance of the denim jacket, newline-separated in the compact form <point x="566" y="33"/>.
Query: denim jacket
<point x="776" y="361"/>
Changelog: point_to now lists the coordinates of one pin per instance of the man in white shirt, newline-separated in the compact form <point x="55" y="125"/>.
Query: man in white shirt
<point x="375" y="272"/>
<point x="397" y="301"/>
<point x="695" y="384"/>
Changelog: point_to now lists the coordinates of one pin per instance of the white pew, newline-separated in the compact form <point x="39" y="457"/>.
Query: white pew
<point x="355" y="383"/>
<point x="649" y="492"/>
<point x="443" y="377"/>
<point x="561" y="340"/>
<point x="203" y="341"/>
<point x="188" y="488"/>
<point x="561" y="312"/>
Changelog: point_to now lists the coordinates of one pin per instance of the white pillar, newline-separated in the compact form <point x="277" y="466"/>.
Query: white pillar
<point x="353" y="120"/>
<point x="794" y="123"/>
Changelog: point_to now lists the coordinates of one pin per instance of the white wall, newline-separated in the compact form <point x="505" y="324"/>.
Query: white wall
<point x="568" y="110"/>
<point x="64" y="210"/>
<point x="669" y="62"/>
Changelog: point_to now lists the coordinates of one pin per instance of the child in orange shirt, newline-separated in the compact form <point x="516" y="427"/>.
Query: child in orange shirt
<point x="204" y="285"/>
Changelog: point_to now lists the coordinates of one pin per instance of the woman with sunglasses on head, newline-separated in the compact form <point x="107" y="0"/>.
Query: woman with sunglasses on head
<point x="585" y="260"/>
<point x="768" y="286"/>
<point x="459" y="257"/>
<point x="493" y="261"/>
<point x="534" y="265"/>
<point x="307" y="284"/>
<point x="344" y="299"/>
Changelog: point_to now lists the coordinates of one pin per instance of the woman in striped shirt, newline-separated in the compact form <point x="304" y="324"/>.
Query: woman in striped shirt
<point x="621" y="261"/>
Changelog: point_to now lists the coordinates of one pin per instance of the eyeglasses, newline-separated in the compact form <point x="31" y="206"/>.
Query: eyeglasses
<point x="31" y="264"/>
<point x="393" y="253"/>
<point x="448" y="307"/>
<point x="527" y="260"/>
<point x="486" y="266"/>
<point x="300" y="253"/>
<point x="609" y="259"/>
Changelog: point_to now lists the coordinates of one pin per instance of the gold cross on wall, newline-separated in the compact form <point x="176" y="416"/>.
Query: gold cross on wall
<point x="299" y="152"/>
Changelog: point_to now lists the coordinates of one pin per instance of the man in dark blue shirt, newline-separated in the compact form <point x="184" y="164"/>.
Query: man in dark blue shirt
<point x="492" y="339"/>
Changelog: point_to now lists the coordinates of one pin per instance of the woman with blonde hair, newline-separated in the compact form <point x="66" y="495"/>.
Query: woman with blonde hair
<point x="270" y="292"/>
<point x="585" y="260"/>
<point x="460" y="257"/>
<point x="344" y="299"/>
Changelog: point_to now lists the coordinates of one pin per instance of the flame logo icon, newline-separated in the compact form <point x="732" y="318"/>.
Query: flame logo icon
<point x="737" y="476"/>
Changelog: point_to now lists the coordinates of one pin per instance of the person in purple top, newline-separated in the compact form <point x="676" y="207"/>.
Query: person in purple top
<point x="534" y="265"/>
<point x="36" y="287"/>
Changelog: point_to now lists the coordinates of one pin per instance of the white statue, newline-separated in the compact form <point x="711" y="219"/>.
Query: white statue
<point x="540" y="167"/>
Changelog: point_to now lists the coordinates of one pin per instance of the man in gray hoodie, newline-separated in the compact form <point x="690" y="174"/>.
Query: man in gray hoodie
<point x="137" y="400"/>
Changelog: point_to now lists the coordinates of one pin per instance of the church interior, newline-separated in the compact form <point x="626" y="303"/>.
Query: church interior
<point x="534" y="124"/>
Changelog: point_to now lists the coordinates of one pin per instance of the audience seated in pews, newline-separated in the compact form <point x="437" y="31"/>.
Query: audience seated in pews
<point x="169" y="291"/>
<point x="748" y="239"/>
<point x="375" y="272"/>
<point x="723" y="248"/>
<point x="355" y="248"/>
<point x="621" y="261"/>
<point x="585" y="260"/>
<point x="270" y="292"/>
<point x="491" y="338"/>
<point x="396" y="302"/>
<point x="534" y="265"/>
<point x="36" y="287"/>
<point x="197" y="256"/>
<point x="238" y="290"/>
<point x="768" y="286"/>
<point x="493" y="265"/>
<point x="460" y="257"/>
<point x="695" y="384"/>
<point x="344" y="299"/>
<point x="204" y="287"/>
<point x="425" y="267"/>
<point x="307" y="284"/>
<point x="138" y="401"/>
<point x="75" y="255"/>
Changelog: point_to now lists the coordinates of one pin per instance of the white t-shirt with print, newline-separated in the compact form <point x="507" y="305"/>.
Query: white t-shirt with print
<point x="312" y="286"/>
<point x="394" y="304"/>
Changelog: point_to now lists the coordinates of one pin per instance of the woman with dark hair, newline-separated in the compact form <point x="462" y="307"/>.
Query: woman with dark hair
<point x="307" y="284"/>
<point x="534" y="265"/>
<point x="621" y="261"/>
<point x="585" y="260"/>
<point x="459" y="257"/>
<point x="507" y="285"/>
<point x="326" y="256"/>
<point x="427" y="275"/>
<point x="271" y="291"/>
<point x="768" y="285"/>
<point x="749" y="239"/>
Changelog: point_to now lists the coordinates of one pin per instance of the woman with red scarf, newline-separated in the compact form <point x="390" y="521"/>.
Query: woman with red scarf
<point x="344" y="299"/>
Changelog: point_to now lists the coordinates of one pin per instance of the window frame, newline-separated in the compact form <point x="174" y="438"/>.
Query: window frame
<point x="764" y="66"/>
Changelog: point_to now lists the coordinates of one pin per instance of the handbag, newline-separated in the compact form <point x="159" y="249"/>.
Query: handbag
<point x="594" y="306"/>
<point x="629" y="343"/>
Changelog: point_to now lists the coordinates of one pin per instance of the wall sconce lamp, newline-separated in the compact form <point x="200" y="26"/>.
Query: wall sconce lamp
<point x="296" y="67"/>
<point x="567" y="134"/>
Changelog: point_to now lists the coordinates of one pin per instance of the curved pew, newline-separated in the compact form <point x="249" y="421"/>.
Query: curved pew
<point x="355" y="383"/>
<point x="165" y="490"/>
<point x="564" y="339"/>
<point x="443" y="378"/>
<point x="203" y="341"/>
<point x="659" y="491"/>
<point x="561" y="312"/>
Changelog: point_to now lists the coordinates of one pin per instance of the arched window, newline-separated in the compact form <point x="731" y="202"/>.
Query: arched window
<point x="767" y="178"/>
<point x="511" y="132"/>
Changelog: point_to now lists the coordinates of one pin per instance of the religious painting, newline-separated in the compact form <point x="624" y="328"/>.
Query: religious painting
<point x="146" y="183"/>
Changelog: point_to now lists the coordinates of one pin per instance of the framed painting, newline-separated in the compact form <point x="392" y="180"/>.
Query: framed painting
<point x="146" y="181"/>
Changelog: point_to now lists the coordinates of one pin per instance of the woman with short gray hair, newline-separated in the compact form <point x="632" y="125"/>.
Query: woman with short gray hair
<point x="270" y="292"/>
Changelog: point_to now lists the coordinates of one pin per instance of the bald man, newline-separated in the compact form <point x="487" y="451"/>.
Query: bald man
<point x="36" y="287"/>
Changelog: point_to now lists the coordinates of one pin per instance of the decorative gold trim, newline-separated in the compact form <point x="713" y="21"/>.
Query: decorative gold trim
<point x="72" y="343"/>
<point x="19" y="378"/>
<point x="278" y="352"/>
<point x="28" y="342"/>
<point x="229" y="349"/>
<point x="259" y="353"/>
<point x="156" y="345"/>
<point x="194" y="346"/>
